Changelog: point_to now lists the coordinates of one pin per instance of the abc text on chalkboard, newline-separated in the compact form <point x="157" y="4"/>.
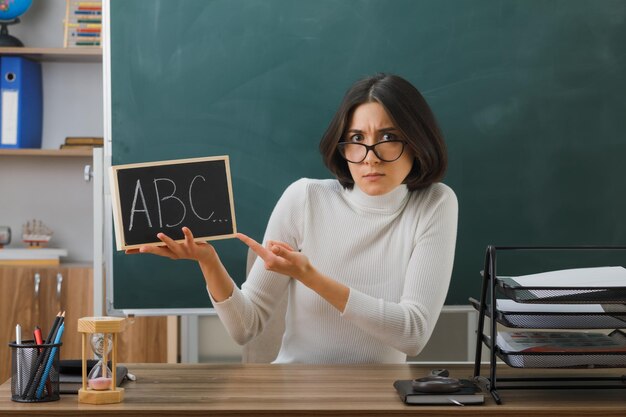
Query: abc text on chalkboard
<point x="164" y="196"/>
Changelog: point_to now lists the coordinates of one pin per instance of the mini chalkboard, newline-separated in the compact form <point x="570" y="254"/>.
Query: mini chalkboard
<point x="164" y="196"/>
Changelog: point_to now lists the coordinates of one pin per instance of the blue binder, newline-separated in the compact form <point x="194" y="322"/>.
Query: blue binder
<point x="21" y="104"/>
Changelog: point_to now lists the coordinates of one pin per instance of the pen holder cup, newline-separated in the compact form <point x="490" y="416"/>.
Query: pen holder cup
<point x="34" y="372"/>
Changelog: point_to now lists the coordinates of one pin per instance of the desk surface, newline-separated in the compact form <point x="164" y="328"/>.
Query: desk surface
<point x="290" y="390"/>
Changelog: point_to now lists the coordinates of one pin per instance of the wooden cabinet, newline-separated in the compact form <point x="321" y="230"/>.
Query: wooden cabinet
<point x="32" y="296"/>
<point x="16" y="306"/>
<point x="76" y="299"/>
<point x="144" y="340"/>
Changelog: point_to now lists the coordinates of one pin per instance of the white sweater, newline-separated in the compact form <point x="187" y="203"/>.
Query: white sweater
<point x="394" y="252"/>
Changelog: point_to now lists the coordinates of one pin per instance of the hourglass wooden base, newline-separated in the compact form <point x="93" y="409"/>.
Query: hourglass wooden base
<point x="104" y="325"/>
<point x="90" y="396"/>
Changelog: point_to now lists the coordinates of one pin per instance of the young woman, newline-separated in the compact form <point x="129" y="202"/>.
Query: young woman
<point x="366" y="259"/>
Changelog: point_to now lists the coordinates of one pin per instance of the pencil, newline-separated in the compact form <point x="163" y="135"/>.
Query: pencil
<point x="44" y="378"/>
<point x="29" y="391"/>
<point x="53" y="329"/>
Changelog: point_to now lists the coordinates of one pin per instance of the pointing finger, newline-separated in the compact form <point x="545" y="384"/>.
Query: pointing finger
<point x="255" y="246"/>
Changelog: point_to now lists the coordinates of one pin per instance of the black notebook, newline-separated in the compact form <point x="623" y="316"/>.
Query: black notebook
<point x="467" y="394"/>
<point x="71" y="376"/>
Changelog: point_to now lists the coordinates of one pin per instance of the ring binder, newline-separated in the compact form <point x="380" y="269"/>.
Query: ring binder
<point x="21" y="105"/>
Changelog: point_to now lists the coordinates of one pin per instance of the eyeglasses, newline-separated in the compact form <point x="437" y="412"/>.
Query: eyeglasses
<point x="387" y="151"/>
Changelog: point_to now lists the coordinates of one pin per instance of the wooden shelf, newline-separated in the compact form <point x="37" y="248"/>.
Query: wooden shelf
<point x="56" y="54"/>
<point x="47" y="152"/>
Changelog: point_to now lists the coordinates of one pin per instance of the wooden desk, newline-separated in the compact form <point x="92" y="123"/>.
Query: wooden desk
<point x="295" y="390"/>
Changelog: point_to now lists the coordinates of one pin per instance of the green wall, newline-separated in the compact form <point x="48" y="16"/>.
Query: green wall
<point x="530" y="94"/>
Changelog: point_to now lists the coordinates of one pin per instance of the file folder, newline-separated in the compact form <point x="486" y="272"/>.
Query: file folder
<point x="21" y="105"/>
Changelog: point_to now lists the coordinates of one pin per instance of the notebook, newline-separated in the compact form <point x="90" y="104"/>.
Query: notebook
<point x="467" y="394"/>
<point x="70" y="375"/>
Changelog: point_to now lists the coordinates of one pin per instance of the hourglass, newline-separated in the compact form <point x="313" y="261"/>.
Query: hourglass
<point x="101" y="334"/>
<point x="99" y="377"/>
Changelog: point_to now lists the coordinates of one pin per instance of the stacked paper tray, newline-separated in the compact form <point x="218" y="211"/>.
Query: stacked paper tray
<point x="582" y="358"/>
<point x="578" y="286"/>
<point x="558" y="316"/>
<point x="575" y="295"/>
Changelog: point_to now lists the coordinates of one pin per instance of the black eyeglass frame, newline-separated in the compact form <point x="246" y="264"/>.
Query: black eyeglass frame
<point x="342" y="145"/>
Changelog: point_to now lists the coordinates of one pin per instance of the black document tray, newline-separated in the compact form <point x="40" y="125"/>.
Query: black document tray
<point x="585" y="359"/>
<point x="557" y="320"/>
<point x="564" y="295"/>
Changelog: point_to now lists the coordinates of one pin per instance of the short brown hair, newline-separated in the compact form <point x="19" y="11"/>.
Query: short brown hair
<point x="411" y="115"/>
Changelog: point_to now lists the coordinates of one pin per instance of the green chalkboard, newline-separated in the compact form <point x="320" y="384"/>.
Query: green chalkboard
<point x="530" y="94"/>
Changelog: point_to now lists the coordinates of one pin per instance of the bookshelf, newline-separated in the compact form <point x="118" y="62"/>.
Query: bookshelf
<point x="49" y="177"/>
<point x="57" y="55"/>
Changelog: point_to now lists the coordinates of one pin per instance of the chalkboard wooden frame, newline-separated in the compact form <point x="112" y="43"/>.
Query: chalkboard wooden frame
<point x="122" y="237"/>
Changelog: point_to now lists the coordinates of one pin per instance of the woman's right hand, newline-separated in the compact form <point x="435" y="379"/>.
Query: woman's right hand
<point x="197" y="251"/>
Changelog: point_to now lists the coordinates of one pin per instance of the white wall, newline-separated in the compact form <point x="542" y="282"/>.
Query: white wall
<point x="51" y="190"/>
<point x="215" y="344"/>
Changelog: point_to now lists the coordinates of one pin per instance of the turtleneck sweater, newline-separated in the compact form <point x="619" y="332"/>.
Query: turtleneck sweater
<point x="394" y="252"/>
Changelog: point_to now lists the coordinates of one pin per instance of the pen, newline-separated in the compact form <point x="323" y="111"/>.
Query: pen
<point x="38" y="337"/>
<point x="18" y="341"/>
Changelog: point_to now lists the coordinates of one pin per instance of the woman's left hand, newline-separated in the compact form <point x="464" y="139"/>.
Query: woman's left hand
<point x="280" y="257"/>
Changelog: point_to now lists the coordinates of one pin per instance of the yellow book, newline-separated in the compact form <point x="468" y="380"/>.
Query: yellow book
<point x="84" y="140"/>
